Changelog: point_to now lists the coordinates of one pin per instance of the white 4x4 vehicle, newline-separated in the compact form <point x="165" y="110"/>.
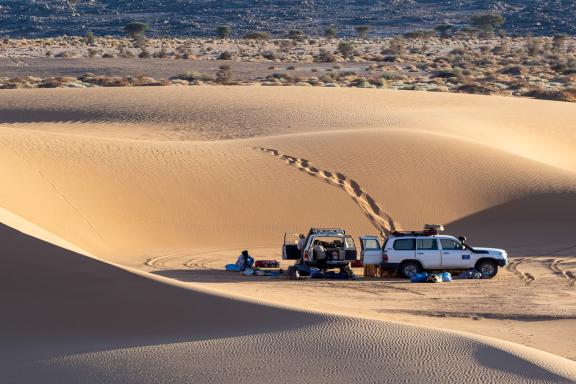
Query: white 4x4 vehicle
<point x="413" y="252"/>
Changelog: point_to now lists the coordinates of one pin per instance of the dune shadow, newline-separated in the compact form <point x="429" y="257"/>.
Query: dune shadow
<point x="57" y="302"/>
<point x="215" y="276"/>
<point x="541" y="224"/>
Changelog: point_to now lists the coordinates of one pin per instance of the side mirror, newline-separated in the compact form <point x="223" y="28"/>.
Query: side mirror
<point x="462" y="239"/>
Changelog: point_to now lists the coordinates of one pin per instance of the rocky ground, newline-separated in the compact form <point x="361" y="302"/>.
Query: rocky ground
<point x="522" y="66"/>
<point x="199" y="18"/>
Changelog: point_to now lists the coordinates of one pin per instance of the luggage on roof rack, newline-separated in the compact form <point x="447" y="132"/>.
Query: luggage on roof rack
<point x="326" y="230"/>
<point x="429" y="230"/>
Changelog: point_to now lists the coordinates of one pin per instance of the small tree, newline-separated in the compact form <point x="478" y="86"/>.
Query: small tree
<point x="223" y="31"/>
<point x="488" y="22"/>
<point x="362" y="30"/>
<point x="89" y="38"/>
<point x="346" y="48"/>
<point x="559" y="42"/>
<point x="136" y="30"/>
<point x="259" y="37"/>
<point x="296" y="35"/>
<point x="330" y="32"/>
<point x="444" y="30"/>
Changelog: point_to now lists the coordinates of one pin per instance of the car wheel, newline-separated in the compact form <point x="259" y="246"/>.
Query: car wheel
<point x="409" y="268"/>
<point x="487" y="268"/>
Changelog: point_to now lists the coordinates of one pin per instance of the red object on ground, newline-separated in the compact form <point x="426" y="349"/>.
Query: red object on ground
<point x="266" y="264"/>
<point x="356" y="264"/>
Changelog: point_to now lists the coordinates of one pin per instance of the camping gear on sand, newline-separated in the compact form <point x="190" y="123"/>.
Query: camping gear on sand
<point x="266" y="264"/>
<point x="248" y="272"/>
<point x="470" y="274"/>
<point x="434" y="278"/>
<point x="232" y="267"/>
<point x="419" y="277"/>
<point x="446" y="277"/>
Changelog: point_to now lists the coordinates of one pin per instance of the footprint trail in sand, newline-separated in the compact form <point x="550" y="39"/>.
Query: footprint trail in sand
<point x="377" y="216"/>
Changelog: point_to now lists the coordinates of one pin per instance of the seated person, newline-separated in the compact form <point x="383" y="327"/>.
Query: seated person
<point x="244" y="261"/>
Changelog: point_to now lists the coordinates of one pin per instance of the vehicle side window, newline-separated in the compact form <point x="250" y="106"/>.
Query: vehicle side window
<point x="405" y="244"/>
<point x="449" y="244"/>
<point x="427" y="244"/>
<point x="371" y="244"/>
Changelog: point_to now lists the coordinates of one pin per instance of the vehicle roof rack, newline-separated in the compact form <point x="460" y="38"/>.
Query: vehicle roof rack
<point x="327" y="230"/>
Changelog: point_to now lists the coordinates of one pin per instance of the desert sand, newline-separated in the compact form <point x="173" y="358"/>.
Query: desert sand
<point x="151" y="191"/>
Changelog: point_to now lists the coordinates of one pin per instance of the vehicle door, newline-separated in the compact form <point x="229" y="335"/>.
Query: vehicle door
<point x="401" y="249"/>
<point x="371" y="251"/>
<point x="428" y="252"/>
<point x="349" y="248"/>
<point x="290" y="247"/>
<point x="454" y="255"/>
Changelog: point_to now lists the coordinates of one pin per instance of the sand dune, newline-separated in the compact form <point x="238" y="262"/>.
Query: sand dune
<point x="139" y="176"/>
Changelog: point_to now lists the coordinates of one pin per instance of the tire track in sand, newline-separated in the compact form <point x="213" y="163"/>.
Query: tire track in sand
<point x="371" y="209"/>
<point x="525" y="276"/>
<point x="569" y="275"/>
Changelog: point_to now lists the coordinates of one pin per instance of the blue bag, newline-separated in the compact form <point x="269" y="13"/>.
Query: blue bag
<point x="419" y="277"/>
<point x="232" y="267"/>
<point x="446" y="277"/>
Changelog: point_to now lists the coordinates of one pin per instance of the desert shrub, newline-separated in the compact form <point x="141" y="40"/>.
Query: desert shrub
<point x="257" y="36"/>
<point x="224" y="74"/>
<point x="223" y="31"/>
<point x="475" y="88"/>
<point x="291" y="68"/>
<point x="193" y="76"/>
<point x="362" y="30"/>
<point x="108" y="55"/>
<point x="92" y="52"/>
<point x="488" y="22"/>
<point x="446" y="73"/>
<point x="389" y="58"/>
<point x="89" y="38"/>
<point x="458" y="51"/>
<point x="325" y="56"/>
<point x="161" y="54"/>
<point x="392" y="76"/>
<point x="330" y="32"/>
<point x="136" y="31"/>
<point x="135" y="28"/>
<point x="64" y="54"/>
<point x="269" y="55"/>
<point x="549" y="94"/>
<point x="144" y="54"/>
<point x="444" y="30"/>
<point x="515" y="70"/>
<point x="296" y="34"/>
<point x="225" y="56"/>
<point x="397" y="46"/>
<point x="419" y="34"/>
<point x="559" y="42"/>
<point x="346" y="48"/>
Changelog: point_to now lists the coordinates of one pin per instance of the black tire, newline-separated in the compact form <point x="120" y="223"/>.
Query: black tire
<point x="409" y="268"/>
<point x="487" y="268"/>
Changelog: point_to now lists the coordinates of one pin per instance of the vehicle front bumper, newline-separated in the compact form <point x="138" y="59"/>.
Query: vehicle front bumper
<point x="502" y="262"/>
